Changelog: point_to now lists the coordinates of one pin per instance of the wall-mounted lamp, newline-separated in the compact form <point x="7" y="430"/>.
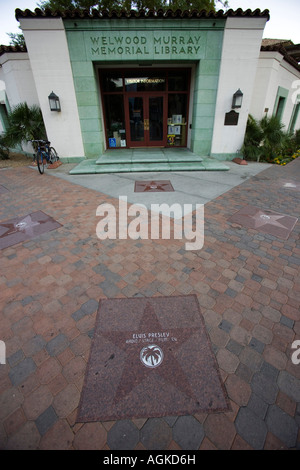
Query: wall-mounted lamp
<point x="237" y="99"/>
<point x="54" y="102"/>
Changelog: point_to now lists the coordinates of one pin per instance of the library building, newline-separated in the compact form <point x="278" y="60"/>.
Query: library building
<point x="110" y="84"/>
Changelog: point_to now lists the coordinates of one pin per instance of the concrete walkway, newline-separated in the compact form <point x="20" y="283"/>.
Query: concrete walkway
<point x="247" y="283"/>
<point x="190" y="187"/>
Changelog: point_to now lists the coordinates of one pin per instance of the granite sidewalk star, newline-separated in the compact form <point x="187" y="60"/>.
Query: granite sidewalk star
<point x="21" y="229"/>
<point x="179" y="375"/>
<point x="264" y="220"/>
<point x="153" y="186"/>
<point x="134" y="371"/>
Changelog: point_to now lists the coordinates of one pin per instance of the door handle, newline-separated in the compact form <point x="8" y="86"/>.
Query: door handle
<point x="146" y="124"/>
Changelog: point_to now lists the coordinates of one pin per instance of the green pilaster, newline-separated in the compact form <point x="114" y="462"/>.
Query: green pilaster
<point x="121" y="41"/>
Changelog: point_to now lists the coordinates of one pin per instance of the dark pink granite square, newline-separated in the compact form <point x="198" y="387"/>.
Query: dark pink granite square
<point x="150" y="357"/>
<point x="263" y="220"/>
<point x="153" y="186"/>
<point x="24" y="228"/>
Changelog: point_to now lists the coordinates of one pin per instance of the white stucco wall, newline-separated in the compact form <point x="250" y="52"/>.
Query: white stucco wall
<point x="49" y="57"/>
<point x="2" y="96"/>
<point x="273" y="72"/>
<point x="17" y="75"/>
<point x="241" y="49"/>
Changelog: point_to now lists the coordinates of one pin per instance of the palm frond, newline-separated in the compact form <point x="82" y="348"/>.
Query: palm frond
<point x="24" y="123"/>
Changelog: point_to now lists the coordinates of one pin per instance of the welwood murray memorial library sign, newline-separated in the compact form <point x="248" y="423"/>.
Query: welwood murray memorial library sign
<point x="147" y="39"/>
<point x="131" y="45"/>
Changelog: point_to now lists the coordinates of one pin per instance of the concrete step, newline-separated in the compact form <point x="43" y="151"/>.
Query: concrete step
<point x="94" y="166"/>
<point x="146" y="156"/>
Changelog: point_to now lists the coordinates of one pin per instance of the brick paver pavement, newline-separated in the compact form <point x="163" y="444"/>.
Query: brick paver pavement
<point x="248" y="287"/>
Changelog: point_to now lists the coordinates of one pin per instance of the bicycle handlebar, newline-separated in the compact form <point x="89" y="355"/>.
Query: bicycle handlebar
<point x="42" y="141"/>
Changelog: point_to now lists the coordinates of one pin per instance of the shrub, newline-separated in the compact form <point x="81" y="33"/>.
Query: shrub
<point x="24" y="123"/>
<point x="266" y="140"/>
<point x="4" y="152"/>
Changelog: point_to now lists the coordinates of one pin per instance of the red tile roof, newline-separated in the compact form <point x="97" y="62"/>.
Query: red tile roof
<point x="291" y="53"/>
<point x="4" y="49"/>
<point x="274" y="42"/>
<point x="142" y="14"/>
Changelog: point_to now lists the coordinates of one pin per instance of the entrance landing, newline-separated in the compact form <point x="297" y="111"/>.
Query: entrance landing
<point x="138" y="160"/>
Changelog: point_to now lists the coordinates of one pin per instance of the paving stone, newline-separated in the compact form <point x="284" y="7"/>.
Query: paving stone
<point x="34" y="345"/>
<point x="26" y="438"/>
<point x="244" y="372"/>
<point x="230" y="292"/>
<point x="58" y="258"/>
<point x="156" y="434"/>
<point x="86" y="308"/>
<point x="46" y="420"/>
<point x="264" y="383"/>
<point x="287" y="321"/>
<point x="252" y="428"/>
<point x="66" y="401"/>
<point x="22" y="371"/>
<point x="257" y="345"/>
<point x="225" y="325"/>
<point x="258" y="406"/>
<point x="124" y="435"/>
<point x="15" y="358"/>
<point x="289" y="385"/>
<point x="91" y="436"/>
<point x="27" y="300"/>
<point x="11" y="424"/>
<point x="227" y="361"/>
<point x="238" y="390"/>
<point x="250" y="358"/>
<point x="282" y="425"/>
<point x="188" y="433"/>
<point x="56" y="345"/>
<point x="240" y="334"/>
<point x="107" y="273"/>
<point x="170" y="420"/>
<point x="10" y="400"/>
<point x="220" y="430"/>
<point x="234" y="347"/>
<point x="59" y="437"/>
<point x="297" y="416"/>
<point x="109" y="289"/>
<point x="37" y="402"/>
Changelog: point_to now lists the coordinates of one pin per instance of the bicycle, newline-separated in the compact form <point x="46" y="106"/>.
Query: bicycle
<point x="44" y="154"/>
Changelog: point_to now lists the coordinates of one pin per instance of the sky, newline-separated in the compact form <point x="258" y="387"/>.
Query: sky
<point x="284" y="22"/>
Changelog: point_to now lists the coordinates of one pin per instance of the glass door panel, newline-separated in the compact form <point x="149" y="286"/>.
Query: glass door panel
<point x="177" y="119"/>
<point x="136" y="119"/>
<point x="115" y="120"/>
<point x="156" y="114"/>
<point x="147" y="120"/>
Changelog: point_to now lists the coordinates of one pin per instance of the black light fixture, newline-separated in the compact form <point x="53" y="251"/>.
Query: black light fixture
<point x="237" y="99"/>
<point x="54" y="102"/>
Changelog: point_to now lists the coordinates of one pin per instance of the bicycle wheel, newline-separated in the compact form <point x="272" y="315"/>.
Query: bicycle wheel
<point x="40" y="162"/>
<point x="53" y="157"/>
